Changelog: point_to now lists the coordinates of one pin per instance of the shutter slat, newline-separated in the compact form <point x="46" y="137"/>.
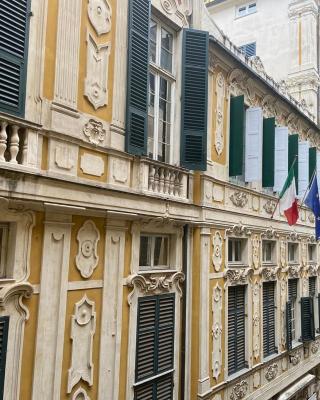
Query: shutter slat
<point x="268" y="152"/>
<point x="138" y="77"/>
<point x="194" y="100"/>
<point x="289" y="325"/>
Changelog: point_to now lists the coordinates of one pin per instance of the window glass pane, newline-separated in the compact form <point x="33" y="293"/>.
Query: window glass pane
<point x="151" y="114"/>
<point x="252" y="8"/>
<point x="161" y="251"/>
<point x="267" y="250"/>
<point x="230" y="250"/>
<point x="242" y="11"/>
<point x="145" y="251"/>
<point x="237" y="253"/>
<point x="153" y="41"/>
<point x="312" y="252"/>
<point x="166" y="50"/>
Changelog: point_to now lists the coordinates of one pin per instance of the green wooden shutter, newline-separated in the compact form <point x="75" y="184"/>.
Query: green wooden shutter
<point x="155" y="347"/>
<point x="269" y="343"/>
<point x="236" y="139"/>
<point x="4" y="328"/>
<point x="14" y="36"/>
<point x="269" y="129"/>
<point x="318" y="313"/>
<point x="194" y="106"/>
<point x="289" y="325"/>
<point x="312" y="286"/>
<point x="312" y="161"/>
<point x="292" y="153"/>
<point x="307" y="319"/>
<point x="236" y="329"/>
<point x="138" y="77"/>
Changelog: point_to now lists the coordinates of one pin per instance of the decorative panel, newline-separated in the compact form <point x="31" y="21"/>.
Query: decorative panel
<point x="87" y="257"/>
<point x="219" y="133"/>
<point x="95" y="86"/>
<point x="217" y="251"/>
<point x="217" y="331"/>
<point x="256" y="320"/>
<point x="99" y="12"/>
<point x="83" y="326"/>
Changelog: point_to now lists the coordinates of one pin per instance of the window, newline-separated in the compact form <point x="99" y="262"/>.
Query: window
<point x="236" y="329"/>
<point x="292" y="297"/>
<point x="160" y="92"/>
<point x="269" y="334"/>
<point x="268" y="251"/>
<point x="248" y="49"/>
<point x="4" y="231"/>
<point x="13" y="55"/>
<point x="312" y="255"/>
<point x="246" y="9"/>
<point x="154" y="251"/>
<point x="155" y="348"/>
<point x="292" y="252"/>
<point x="235" y="250"/>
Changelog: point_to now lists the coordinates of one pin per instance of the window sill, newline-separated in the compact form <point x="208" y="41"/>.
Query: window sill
<point x="237" y="374"/>
<point x="270" y="357"/>
<point x="269" y="264"/>
<point x="246" y="15"/>
<point x="152" y="270"/>
<point x="237" y="264"/>
<point x="3" y="281"/>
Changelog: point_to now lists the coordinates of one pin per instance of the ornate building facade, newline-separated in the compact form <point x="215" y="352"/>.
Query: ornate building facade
<point x="138" y="256"/>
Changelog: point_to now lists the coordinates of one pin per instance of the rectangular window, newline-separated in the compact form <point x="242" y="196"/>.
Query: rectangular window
<point x="312" y="255"/>
<point x="161" y="83"/>
<point x="155" y="347"/>
<point x="268" y="247"/>
<point x="269" y="306"/>
<point x="293" y="252"/>
<point x="248" y="49"/>
<point x="235" y="250"/>
<point x="236" y="329"/>
<point x="154" y="252"/>
<point x="246" y="9"/>
<point x="292" y="297"/>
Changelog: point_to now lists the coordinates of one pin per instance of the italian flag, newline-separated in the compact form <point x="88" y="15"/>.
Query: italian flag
<point x="288" y="202"/>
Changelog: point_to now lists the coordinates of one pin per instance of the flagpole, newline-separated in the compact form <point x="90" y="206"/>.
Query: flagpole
<point x="308" y="187"/>
<point x="293" y="162"/>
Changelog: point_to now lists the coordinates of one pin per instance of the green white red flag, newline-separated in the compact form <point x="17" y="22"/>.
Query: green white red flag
<point x="288" y="199"/>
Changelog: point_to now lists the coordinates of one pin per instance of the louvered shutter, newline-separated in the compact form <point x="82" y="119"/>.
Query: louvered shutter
<point x="303" y="167"/>
<point x="236" y="329"/>
<point x="236" y="139"/>
<point x="155" y="347"/>
<point x="269" y="344"/>
<point x="268" y="152"/>
<point x="307" y="319"/>
<point x="312" y="286"/>
<point x="280" y="158"/>
<point x="4" y="328"/>
<point x="253" y="145"/>
<point x="312" y="161"/>
<point x="194" y="106"/>
<point x="138" y="76"/>
<point x="13" y="55"/>
<point x="293" y="152"/>
<point x="292" y="289"/>
<point x="289" y="325"/>
<point x="318" y="168"/>
<point x="319" y="311"/>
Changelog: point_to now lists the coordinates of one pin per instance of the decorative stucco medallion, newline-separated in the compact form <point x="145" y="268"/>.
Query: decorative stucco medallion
<point x="87" y="257"/>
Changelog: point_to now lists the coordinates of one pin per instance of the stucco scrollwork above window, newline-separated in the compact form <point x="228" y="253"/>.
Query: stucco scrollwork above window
<point x="180" y="9"/>
<point x="87" y="257"/>
<point x="238" y="276"/>
<point x="271" y="372"/>
<point x="270" y="274"/>
<point x="99" y="12"/>
<point x="155" y="283"/>
<point x="270" y="233"/>
<point x="238" y="230"/>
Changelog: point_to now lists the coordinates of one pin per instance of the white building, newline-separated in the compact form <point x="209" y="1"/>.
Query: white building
<point x="283" y="33"/>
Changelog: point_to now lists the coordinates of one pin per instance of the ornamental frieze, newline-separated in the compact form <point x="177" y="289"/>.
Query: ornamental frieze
<point x="239" y="391"/>
<point x="238" y="230"/>
<point x="239" y="199"/>
<point x="154" y="283"/>
<point x="313" y="270"/>
<point x="271" y="273"/>
<point x="294" y="271"/>
<point x="271" y="372"/>
<point x="295" y="357"/>
<point x="269" y="206"/>
<point x="238" y="276"/>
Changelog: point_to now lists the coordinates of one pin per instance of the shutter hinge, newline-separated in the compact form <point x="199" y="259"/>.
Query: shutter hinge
<point x="31" y="14"/>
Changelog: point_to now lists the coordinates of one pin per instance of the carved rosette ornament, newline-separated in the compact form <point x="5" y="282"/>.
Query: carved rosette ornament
<point x="94" y="132"/>
<point x="83" y="327"/>
<point x="238" y="276"/>
<point x="269" y="206"/>
<point x="313" y="270"/>
<point x="239" y="199"/>
<point x="295" y="357"/>
<point x="87" y="257"/>
<point x="294" y="271"/>
<point x="239" y="391"/>
<point x="271" y="372"/>
<point x="99" y="12"/>
<point x="220" y="94"/>
<point x="270" y="274"/>
<point x="156" y="283"/>
<point x="217" y="251"/>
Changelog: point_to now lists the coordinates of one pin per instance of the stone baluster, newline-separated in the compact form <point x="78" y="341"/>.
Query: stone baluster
<point x="156" y="180"/>
<point x="166" y="181"/>
<point x="171" y="184"/>
<point x="161" y="180"/>
<point x="14" y="144"/>
<point x="151" y="177"/>
<point x="177" y="184"/>
<point x="3" y="140"/>
<point x="25" y="148"/>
